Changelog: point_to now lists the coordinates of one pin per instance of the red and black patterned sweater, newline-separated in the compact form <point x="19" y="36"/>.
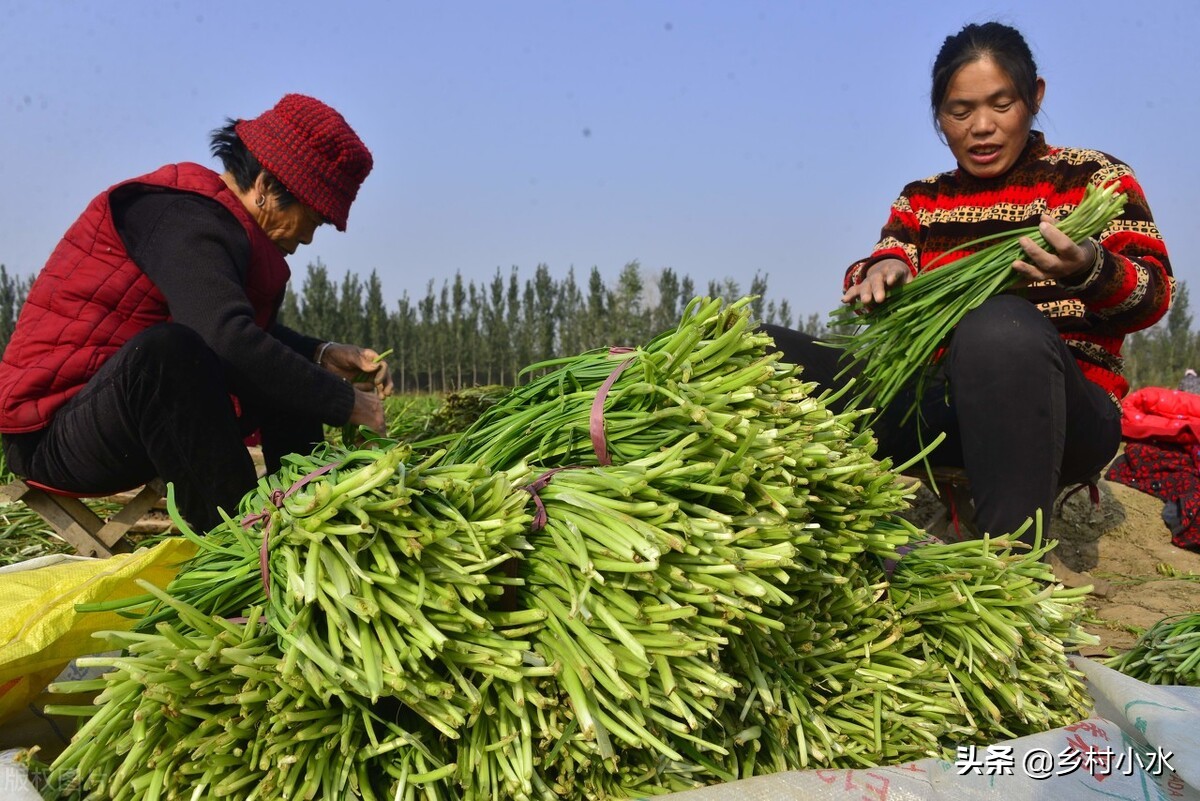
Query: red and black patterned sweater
<point x="1129" y="290"/>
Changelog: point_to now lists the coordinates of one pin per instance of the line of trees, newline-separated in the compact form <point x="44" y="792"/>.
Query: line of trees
<point x="1158" y="356"/>
<point x="462" y="333"/>
<point x="13" y="290"/>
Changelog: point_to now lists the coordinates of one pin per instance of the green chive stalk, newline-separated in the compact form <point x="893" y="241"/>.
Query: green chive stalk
<point x="892" y="345"/>
<point x="1166" y="653"/>
<point x="199" y="709"/>
<point x="733" y="595"/>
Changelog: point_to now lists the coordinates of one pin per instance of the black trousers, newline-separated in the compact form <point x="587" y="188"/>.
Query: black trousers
<point x="1017" y="412"/>
<point x="161" y="407"/>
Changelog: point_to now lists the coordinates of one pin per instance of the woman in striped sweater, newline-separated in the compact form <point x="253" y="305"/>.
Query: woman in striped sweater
<point x="1028" y="387"/>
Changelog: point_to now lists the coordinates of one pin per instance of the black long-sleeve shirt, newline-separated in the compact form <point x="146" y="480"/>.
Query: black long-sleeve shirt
<point x="197" y="254"/>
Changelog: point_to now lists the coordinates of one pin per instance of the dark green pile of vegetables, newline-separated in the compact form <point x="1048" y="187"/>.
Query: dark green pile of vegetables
<point x="642" y="572"/>
<point x="1166" y="653"/>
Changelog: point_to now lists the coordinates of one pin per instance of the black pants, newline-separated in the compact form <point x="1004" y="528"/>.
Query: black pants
<point x="1017" y="412"/>
<point x="161" y="407"/>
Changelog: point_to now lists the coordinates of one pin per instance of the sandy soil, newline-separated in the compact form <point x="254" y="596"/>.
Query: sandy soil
<point x="1126" y="546"/>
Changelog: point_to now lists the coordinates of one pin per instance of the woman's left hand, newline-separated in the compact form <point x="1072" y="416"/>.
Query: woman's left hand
<point x="353" y="363"/>
<point x="1068" y="261"/>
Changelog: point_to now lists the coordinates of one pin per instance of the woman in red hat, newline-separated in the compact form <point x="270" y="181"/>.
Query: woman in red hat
<point x="148" y="345"/>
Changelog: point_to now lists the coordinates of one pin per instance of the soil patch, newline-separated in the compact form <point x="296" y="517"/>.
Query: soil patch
<point x="1125" y="543"/>
<point x="1122" y="547"/>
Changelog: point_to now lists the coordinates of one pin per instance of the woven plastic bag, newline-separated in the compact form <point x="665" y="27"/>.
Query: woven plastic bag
<point x="40" y="629"/>
<point x="1142" y="743"/>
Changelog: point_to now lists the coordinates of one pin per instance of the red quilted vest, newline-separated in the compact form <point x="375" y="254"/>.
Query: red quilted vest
<point x="91" y="298"/>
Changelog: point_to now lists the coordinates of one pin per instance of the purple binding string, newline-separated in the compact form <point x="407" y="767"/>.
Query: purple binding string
<point x="536" y="486"/>
<point x="889" y="565"/>
<point x="277" y="498"/>
<point x="509" y="597"/>
<point x="1093" y="494"/>
<point x="596" y="422"/>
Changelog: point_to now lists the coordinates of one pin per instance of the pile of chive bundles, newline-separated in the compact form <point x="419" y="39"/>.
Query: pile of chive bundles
<point x="892" y="345"/>
<point x="642" y="572"/>
<point x="1166" y="653"/>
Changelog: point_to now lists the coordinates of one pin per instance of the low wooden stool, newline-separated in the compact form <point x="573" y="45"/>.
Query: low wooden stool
<point x="72" y="520"/>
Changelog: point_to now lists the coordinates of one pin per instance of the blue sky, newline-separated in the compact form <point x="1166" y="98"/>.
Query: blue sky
<point x="718" y="139"/>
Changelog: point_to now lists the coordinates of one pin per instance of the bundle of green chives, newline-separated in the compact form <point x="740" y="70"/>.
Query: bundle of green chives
<point x="713" y="606"/>
<point x="993" y="620"/>
<point x="892" y="345"/>
<point x="1167" y="653"/>
<point x="703" y="374"/>
<point x="198" y="708"/>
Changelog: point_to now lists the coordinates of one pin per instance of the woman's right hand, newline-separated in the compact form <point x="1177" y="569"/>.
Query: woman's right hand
<point x="872" y="290"/>
<point x="368" y="411"/>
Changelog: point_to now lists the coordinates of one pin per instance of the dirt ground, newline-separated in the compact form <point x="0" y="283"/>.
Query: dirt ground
<point x="1125" y="545"/>
<point x="1123" y="548"/>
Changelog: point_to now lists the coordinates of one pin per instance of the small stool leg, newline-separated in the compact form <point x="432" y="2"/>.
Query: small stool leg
<point x="76" y="523"/>
<point x="70" y="518"/>
<point x="117" y="526"/>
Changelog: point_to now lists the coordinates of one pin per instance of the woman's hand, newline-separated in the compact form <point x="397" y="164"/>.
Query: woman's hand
<point x="353" y="363"/>
<point x="368" y="411"/>
<point x="1069" y="261"/>
<point x="881" y="275"/>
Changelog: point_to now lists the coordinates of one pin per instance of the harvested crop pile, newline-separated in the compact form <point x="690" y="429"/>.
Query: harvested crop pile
<point x="1166" y="653"/>
<point x="642" y="572"/>
<point x="460" y="408"/>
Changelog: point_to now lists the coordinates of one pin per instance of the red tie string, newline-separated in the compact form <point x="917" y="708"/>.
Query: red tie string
<point x="596" y="422"/>
<point x="277" y="498"/>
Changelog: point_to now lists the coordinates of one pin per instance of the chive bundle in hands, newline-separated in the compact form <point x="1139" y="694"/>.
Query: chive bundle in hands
<point x="894" y="342"/>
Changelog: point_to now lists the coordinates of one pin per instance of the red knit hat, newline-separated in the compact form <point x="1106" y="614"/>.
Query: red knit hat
<point x="313" y="152"/>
